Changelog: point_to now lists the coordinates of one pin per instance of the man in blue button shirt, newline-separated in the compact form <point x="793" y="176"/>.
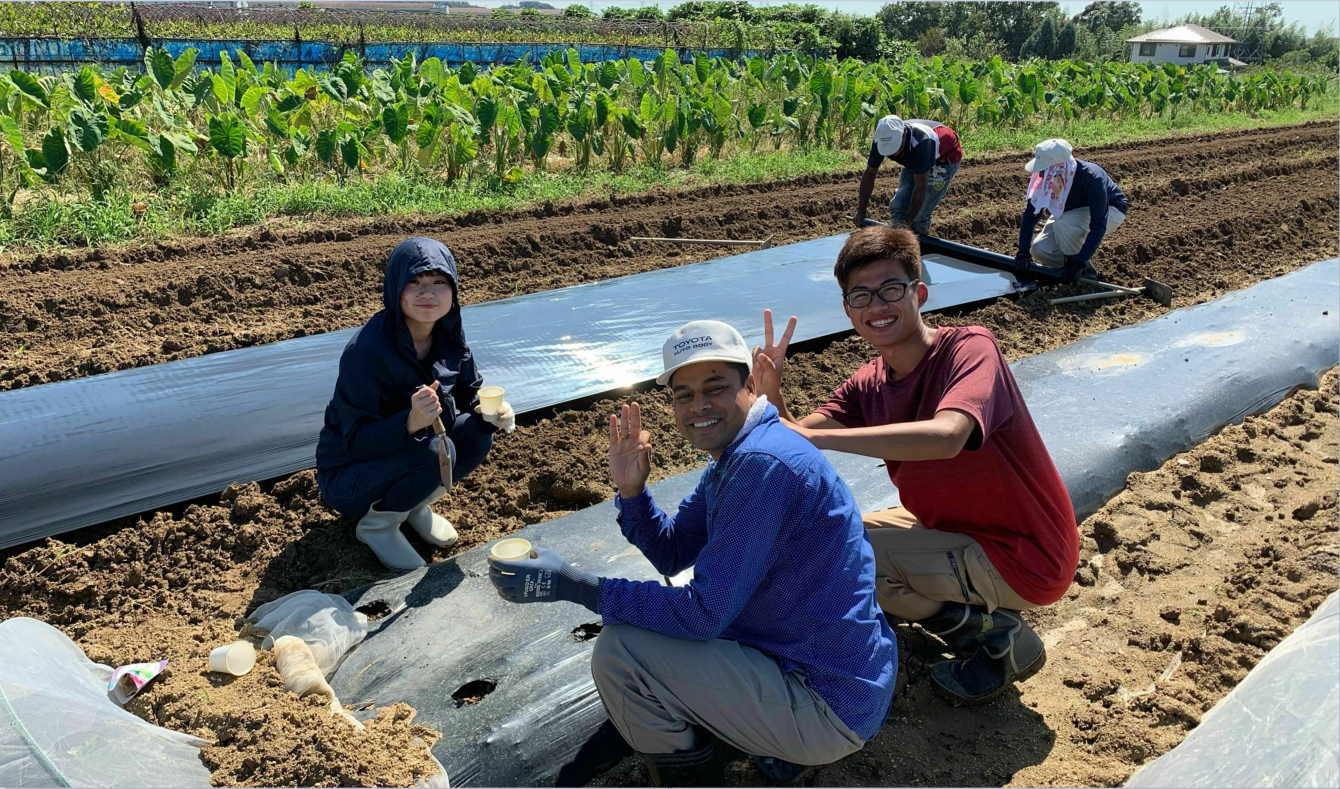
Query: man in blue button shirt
<point x="777" y="646"/>
<point x="1083" y="201"/>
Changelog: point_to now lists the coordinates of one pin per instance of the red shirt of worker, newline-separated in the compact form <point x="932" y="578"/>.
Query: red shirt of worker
<point x="986" y="528"/>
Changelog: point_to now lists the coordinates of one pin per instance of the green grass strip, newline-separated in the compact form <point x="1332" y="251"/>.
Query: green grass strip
<point x="44" y="223"/>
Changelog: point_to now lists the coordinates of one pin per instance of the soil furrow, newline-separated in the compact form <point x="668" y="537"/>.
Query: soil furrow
<point x="69" y="316"/>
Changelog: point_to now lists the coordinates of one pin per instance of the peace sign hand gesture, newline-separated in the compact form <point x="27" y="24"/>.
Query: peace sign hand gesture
<point x="630" y="452"/>
<point x="769" y="359"/>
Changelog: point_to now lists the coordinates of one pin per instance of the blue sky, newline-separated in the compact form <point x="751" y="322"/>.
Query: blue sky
<point x="1312" y="14"/>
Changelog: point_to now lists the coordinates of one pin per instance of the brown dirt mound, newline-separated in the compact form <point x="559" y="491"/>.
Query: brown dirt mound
<point x="1211" y="201"/>
<point x="177" y="588"/>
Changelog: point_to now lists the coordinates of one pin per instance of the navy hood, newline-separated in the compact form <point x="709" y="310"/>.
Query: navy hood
<point x="380" y="370"/>
<point x="409" y="259"/>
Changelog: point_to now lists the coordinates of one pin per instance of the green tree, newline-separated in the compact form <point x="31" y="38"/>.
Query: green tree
<point x="651" y="13"/>
<point x="577" y="11"/>
<point x="1042" y="44"/>
<point x="979" y="47"/>
<point x="931" y="42"/>
<point x="1009" y="23"/>
<point x="1065" y="41"/>
<point x="1113" y="16"/>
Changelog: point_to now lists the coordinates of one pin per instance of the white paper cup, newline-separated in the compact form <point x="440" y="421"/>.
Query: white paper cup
<point x="510" y="550"/>
<point x="236" y="658"/>
<point x="490" y="399"/>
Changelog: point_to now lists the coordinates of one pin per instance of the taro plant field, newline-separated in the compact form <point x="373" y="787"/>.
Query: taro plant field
<point x="85" y="132"/>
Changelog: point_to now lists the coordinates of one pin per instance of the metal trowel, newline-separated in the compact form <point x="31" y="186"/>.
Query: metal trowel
<point x="443" y="452"/>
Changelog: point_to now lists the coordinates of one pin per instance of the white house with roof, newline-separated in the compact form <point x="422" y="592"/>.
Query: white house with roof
<point x="1184" y="44"/>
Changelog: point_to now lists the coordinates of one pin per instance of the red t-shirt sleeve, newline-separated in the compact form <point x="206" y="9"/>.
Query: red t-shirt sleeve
<point x="975" y="384"/>
<point x="845" y="405"/>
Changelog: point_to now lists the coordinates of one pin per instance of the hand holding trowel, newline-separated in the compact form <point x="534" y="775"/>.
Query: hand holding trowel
<point x="425" y="409"/>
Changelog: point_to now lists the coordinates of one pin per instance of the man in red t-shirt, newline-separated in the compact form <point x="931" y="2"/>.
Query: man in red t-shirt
<point x="986" y="528"/>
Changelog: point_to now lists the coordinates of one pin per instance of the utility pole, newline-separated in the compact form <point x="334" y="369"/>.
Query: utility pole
<point x="1246" y="20"/>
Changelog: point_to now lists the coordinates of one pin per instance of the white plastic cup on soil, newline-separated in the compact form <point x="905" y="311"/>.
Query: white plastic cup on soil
<point x="510" y="550"/>
<point x="236" y="658"/>
<point x="490" y="402"/>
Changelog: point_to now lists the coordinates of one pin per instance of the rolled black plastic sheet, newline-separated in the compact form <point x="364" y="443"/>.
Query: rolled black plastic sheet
<point x="82" y="452"/>
<point x="1106" y="406"/>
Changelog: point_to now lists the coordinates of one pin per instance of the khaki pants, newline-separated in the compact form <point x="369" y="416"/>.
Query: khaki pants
<point x="657" y="688"/>
<point x="1066" y="235"/>
<point x="918" y="569"/>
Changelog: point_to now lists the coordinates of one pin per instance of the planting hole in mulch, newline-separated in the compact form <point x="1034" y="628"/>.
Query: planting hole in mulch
<point x="587" y="631"/>
<point x="474" y="691"/>
<point x="374" y="610"/>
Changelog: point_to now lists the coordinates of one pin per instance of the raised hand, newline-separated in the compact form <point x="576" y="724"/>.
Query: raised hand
<point x="630" y="452"/>
<point x="771" y="357"/>
<point x="424" y="407"/>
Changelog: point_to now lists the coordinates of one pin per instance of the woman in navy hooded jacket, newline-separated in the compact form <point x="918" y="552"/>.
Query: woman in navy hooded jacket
<point x="377" y="458"/>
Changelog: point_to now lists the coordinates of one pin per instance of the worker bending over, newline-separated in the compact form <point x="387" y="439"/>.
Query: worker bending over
<point x="986" y="528"/>
<point x="777" y="646"/>
<point x="407" y="366"/>
<point x="1064" y="186"/>
<point x="929" y="153"/>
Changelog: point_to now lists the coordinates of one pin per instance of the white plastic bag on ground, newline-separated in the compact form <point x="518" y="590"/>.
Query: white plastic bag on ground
<point x="59" y="728"/>
<point x="327" y="622"/>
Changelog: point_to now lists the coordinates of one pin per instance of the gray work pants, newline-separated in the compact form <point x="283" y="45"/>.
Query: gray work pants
<point x="657" y="689"/>
<point x="1066" y="235"/>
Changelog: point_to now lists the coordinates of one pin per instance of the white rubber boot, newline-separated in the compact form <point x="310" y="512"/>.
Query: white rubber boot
<point x="380" y="531"/>
<point x="433" y="528"/>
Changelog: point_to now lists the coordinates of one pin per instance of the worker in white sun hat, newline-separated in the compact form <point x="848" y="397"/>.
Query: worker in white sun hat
<point x="777" y="646"/>
<point x="1084" y="204"/>
<point x="929" y="153"/>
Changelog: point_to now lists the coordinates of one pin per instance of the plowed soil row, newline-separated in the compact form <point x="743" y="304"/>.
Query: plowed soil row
<point x="66" y="316"/>
<point x="1210" y="216"/>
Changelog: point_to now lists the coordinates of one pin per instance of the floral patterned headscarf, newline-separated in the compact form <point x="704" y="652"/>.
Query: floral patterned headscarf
<point x="1049" y="188"/>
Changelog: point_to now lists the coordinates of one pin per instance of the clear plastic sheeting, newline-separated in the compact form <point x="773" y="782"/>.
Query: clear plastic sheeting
<point x="1106" y="406"/>
<point x="82" y="452"/>
<point x="58" y="727"/>
<point x="325" y="622"/>
<point x="1279" y="727"/>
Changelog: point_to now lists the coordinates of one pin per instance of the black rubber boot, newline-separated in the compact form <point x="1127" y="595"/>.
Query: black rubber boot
<point x="1010" y="652"/>
<point x="685" y="768"/>
<point x="781" y="771"/>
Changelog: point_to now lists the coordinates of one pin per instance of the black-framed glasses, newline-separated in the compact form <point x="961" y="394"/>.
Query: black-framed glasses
<point x="893" y="291"/>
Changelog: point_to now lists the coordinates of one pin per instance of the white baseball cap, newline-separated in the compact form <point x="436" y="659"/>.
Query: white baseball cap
<point x="703" y="341"/>
<point x="889" y="135"/>
<point x="1047" y="153"/>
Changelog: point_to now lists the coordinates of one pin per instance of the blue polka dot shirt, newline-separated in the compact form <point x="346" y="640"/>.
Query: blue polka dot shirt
<point x="781" y="564"/>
